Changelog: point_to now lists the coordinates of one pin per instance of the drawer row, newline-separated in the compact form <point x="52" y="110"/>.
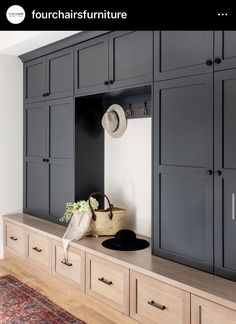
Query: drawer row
<point x="145" y="299"/>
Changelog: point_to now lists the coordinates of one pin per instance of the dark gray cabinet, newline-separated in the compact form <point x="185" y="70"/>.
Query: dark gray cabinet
<point x="49" y="157"/>
<point x="116" y="60"/>
<point x="225" y="173"/>
<point x="183" y="170"/>
<point x="49" y="77"/>
<point x="91" y="66"/>
<point x="225" y="50"/>
<point x="182" y="53"/>
<point x="130" y="58"/>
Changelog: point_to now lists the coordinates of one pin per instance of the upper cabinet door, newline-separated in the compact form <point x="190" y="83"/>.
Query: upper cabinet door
<point x="35" y="80"/>
<point x="225" y="50"/>
<point x="130" y="58"/>
<point x="60" y="74"/>
<point x="182" y="53"/>
<point x="225" y="175"/>
<point x="91" y="66"/>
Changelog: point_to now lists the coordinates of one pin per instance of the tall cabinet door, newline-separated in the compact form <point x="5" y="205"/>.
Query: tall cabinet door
<point x="61" y="156"/>
<point x="182" y="53"/>
<point x="225" y="174"/>
<point x="130" y="58"/>
<point x="225" y="50"/>
<point x="35" y="151"/>
<point x="60" y="74"/>
<point x="35" y="80"/>
<point x="183" y="177"/>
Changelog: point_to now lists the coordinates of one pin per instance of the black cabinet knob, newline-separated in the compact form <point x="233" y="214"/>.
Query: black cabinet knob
<point x="217" y="60"/>
<point x="209" y="62"/>
<point x="218" y="172"/>
<point x="44" y="94"/>
<point x="106" y="82"/>
<point x="111" y="81"/>
<point x="47" y="94"/>
<point x="210" y="172"/>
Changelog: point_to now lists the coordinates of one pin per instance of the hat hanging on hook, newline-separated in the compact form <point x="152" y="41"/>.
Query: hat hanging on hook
<point x="114" y="121"/>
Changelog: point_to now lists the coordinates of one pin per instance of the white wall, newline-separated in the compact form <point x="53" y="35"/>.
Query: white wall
<point x="128" y="173"/>
<point x="11" y="137"/>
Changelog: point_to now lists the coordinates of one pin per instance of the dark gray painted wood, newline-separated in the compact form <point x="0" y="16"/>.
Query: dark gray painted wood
<point x="225" y="49"/>
<point x="182" y="53"/>
<point x="130" y="58"/>
<point x="35" y="80"/>
<point x="65" y="42"/>
<point x="183" y="154"/>
<point x="91" y="66"/>
<point x="60" y="74"/>
<point x="225" y="184"/>
<point x="36" y="130"/>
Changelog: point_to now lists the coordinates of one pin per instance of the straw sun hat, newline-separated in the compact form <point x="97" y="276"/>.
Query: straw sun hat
<point x="114" y="121"/>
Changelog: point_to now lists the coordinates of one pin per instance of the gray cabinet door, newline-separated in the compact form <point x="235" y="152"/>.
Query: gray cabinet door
<point x="183" y="164"/>
<point x="225" y="50"/>
<point x="225" y="175"/>
<point x="35" y="80"/>
<point x="60" y="74"/>
<point x="130" y="58"/>
<point x="61" y="155"/>
<point x="182" y="53"/>
<point x="91" y="66"/>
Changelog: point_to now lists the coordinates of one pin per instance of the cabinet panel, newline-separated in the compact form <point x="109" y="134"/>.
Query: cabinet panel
<point x="36" y="130"/>
<point x="130" y="58"/>
<point x="60" y="74"/>
<point x="225" y="177"/>
<point x="182" y="53"/>
<point x="225" y="49"/>
<point x="61" y="129"/>
<point x="183" y="176"/>
<point x="35" y="80"/>
<point x="204" y="311"/>
<point x="91" y="65"/>
<point x="36" y="187"/>
<point x="154" y="302"/>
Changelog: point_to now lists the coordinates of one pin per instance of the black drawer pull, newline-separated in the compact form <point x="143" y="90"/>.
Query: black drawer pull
<point x="209" y="62"/>
<point x="217" y="60"/>
<point x="218" y="172"/>
<point x="106" y="82"/>
<point x="154" y="304"/>
<point x="105" y="281"/>
<point x="68" y="264"/>
<point x="13" y="238"/>
<point x="36" y="249"/>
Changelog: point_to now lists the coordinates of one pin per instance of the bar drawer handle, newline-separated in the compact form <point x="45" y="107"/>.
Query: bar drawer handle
<point x="36" y="249"/>
<point x="13" y="238"/>
<point x="154" y="304"/>
<point x="68" y="264"/>
<point x="107" y="282"/>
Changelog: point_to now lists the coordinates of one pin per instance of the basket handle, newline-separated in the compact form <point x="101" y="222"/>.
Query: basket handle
<point x="110" y="215"/>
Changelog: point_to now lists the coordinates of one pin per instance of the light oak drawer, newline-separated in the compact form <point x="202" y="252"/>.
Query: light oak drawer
<point x="15" y="239"/>
<point x="73" y="268"/>
<point x="204" y="311"/>
<point x="39" y="251"/>
<point x="152" y="301"/>
<point x="108" y="282"/>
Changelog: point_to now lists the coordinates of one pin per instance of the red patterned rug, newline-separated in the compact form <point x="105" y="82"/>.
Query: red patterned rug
<point x="21" y="304"/>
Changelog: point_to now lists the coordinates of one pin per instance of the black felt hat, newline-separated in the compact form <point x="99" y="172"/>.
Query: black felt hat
<point x="125" y="240"/>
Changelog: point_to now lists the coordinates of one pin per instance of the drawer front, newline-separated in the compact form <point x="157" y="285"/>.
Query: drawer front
<point x="204" y="311"/>
<point x="15" y="239"/>
<point x="73" y="268"/>
<point x="40" y="251"/>
<point x="108" y="281"/>
<point x="152" y="301"/>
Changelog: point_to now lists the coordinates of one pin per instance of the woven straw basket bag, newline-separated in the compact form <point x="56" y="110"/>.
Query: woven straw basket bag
<point x="108" y="221"/>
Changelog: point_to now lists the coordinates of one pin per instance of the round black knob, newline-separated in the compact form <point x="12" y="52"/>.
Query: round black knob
<point x="217" y="60"/>
<point x="106" y="82"/>
<point x="218" y="172"/>
<point x="209" y="172"/>
<point x="111" y="81"/>
<point x="209" y="62"/>
<point x="48" y="94"/>
<point x="44" y="94"/>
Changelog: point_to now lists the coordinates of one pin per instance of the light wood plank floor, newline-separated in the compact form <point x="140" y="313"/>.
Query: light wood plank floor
<point x="71" y="299"/>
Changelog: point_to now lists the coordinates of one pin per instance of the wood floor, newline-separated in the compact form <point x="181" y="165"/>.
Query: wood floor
<point x="71" y="299"/>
